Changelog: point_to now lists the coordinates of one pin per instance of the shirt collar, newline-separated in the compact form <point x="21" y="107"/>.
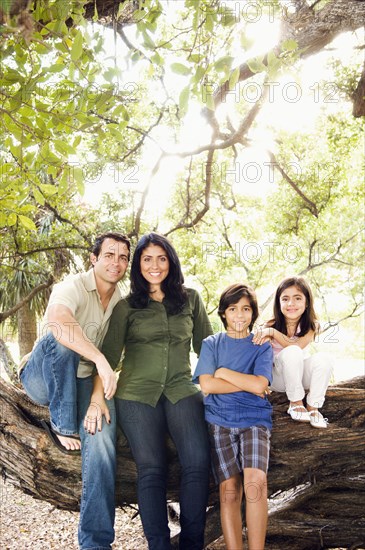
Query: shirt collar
<point x="90" y="282"/>
<point x="90" y="285"/>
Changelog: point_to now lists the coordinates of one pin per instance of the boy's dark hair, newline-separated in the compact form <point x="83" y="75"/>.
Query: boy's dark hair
<point x="110" y="235"/>
<point x="172" y="286"/>
<point x="308" y="320"/>
<point x="231" y="295"/>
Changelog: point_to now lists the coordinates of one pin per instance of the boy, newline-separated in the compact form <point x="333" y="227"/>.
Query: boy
<point x="235" y="374"/>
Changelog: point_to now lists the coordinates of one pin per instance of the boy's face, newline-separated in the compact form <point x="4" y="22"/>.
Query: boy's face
<point x="238" y="317"/>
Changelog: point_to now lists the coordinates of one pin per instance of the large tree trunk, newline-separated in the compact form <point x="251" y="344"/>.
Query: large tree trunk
<point x="324" y="469"/>
<point x="27" y="329"/>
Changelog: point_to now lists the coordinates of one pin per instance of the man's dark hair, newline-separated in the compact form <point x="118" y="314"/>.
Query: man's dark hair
<point x="110" y="235"/>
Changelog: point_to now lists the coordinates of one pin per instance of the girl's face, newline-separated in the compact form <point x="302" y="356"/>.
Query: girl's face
<point x="238" y="317"/>
<point x="154" y="264"/>
<point x="292" y="303"/>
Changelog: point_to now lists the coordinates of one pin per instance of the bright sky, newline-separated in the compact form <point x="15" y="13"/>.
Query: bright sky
<point x="294" y="104"/>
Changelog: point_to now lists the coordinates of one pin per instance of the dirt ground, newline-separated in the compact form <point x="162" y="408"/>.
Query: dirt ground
<point x="26" y="523"/>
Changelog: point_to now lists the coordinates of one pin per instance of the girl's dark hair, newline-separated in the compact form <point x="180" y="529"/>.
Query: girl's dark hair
<point x="172" y="286"/>
<point x="308" y="320"/>
<point x="232" y="295"/>
<point x="119" y="237"/>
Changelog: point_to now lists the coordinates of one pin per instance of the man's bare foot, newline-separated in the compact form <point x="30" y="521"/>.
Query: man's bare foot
<point x="69" y="443"/>
<point x="66" y="444"/>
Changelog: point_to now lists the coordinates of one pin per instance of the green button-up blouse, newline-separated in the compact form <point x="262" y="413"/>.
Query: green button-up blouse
<point x="156" y="348"/>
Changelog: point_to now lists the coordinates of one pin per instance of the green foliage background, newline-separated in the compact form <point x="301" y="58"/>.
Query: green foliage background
<point x="83" y="107"/>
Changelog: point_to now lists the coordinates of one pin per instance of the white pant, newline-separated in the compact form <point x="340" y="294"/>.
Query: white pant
<point x="293" y="373"/>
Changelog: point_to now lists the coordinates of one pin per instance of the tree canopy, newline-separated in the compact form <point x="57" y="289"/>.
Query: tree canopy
<point x="147" y="99"/>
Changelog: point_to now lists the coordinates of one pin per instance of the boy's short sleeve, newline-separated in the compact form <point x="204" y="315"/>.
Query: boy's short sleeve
<point x="206" y="363"/>
<point x="264" y="362"/>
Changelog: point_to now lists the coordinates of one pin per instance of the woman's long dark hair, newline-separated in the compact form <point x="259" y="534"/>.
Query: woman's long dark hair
<point x="308" y="320"/>
<point x="172" y="286"/>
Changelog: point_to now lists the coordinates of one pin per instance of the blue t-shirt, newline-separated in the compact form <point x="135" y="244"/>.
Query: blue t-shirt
<point x="240" y="409"/>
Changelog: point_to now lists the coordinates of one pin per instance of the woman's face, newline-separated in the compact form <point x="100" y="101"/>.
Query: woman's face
<point x="292" y="303"/>
<point x="154" y="264"/>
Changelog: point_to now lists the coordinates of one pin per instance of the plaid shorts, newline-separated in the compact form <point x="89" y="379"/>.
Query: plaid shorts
<point x="233" y="449"/>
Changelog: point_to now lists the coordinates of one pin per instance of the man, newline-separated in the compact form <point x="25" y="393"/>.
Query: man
<point x="59" y="373"/>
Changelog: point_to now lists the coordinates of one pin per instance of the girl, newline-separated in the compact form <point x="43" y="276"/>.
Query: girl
<point x="291" y="330"/>
<point x="235" y="374"/>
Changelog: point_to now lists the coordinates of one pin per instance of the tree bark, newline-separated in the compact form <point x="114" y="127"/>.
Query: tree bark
<point x="27" y="329"/>
<point x="316" y="477"/>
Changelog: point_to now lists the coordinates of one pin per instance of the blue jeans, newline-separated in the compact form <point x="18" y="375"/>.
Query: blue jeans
<point x="97" y="509"/>
<point x="49" y="378"/>
<point x="145" y="428"/>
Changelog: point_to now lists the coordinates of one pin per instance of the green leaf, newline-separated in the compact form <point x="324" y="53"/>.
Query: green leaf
<point x="38" y="196"/>
<point x="273" y="63"/>
<point x="111" y="73"/>
<point x="76" y="142"/>
<point x="48" y="188"/>
<point x="27" y="222"/>
<point x="147" y="41"/>
<point x="77" y="46"/>
<point x="233" y="79"/>
<point x="289" y="45"/>
<point x="12" y="219"/>
<point x="3" y="219"/>
<point x="79" y="179"/>
<point x="179" y="68"/>
<point x="210" y="102"/>
<point x="200" y="72"/>
<point x="184" y="99"/>
<point x="209" y="22"/>
<point x="246" y="42"/>
<point x="64" y="148"/>
<point x="64" y="181"/>
<point x="224" y="63"/>
<point x="256" y="65"/>
<point x="56" y="68"/>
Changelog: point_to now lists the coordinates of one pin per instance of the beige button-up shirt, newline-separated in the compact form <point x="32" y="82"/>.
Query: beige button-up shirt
<point x="80" y="295"/>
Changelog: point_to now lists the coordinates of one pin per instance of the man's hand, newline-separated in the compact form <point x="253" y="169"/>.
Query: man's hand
<point x="94" y="416"/>
<point x="107" y="376"/>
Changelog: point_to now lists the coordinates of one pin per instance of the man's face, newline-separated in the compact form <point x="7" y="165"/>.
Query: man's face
<point x="112" y="262"/>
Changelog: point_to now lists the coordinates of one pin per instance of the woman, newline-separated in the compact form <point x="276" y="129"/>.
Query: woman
<point x="155" y="326"/>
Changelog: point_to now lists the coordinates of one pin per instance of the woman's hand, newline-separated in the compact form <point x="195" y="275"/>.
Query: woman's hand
<point x="263" y="334"/>
<point x="94" y="415"/>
